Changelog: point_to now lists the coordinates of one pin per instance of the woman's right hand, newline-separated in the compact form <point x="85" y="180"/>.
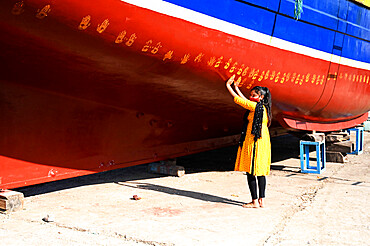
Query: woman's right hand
<point x="236" y="84"/>
<point x="231" y="80"/>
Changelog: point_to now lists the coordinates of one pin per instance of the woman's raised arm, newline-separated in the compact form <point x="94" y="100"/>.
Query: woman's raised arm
<point x="229" y="88"/>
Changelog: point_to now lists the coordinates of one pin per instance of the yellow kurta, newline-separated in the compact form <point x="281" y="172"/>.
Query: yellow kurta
<point x="262" y="159"/>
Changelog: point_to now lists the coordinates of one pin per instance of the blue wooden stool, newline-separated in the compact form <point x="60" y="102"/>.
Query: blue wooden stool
<point x="359" y="130"/>
<point x="305" y="158"/>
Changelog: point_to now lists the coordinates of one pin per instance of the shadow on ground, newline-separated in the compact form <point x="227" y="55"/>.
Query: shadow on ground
<point x="223" y="159"/>
<point x="179" y="192"/>
<point x="282" y="148"/>
<point x="112" y="176"/>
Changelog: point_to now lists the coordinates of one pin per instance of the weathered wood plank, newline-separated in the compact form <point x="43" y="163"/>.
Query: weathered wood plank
<point x="167" y="167"/>
<point x="344" y="147"/>
<point x="11" y="200"/>
<point x="316" y="137"/>
<point x="337" y="137"/>
<point x="333" y="156"/>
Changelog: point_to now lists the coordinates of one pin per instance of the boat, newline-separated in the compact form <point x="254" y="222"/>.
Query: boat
<point x="90" y="86"/>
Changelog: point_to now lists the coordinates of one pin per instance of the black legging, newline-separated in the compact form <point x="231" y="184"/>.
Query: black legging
<point x="252" y="183"/>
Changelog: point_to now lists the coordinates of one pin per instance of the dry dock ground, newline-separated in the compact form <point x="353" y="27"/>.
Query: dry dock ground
<point x="201" y="208"/>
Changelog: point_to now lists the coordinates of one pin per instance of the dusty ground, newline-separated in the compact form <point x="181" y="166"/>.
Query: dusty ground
<point x="201" y="208"/>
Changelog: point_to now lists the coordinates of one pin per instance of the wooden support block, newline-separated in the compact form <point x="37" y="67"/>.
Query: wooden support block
<point x="345" y="133"/>
<point x="315" y="137"/>
<point x="333" y="156"/>
<point x="337" y="137"/>
<point x="11" y="200"/>
<point x="367" y="125"/>
<point x="344" y="147"/>
<point x="278" y="131"/>
<point x="166" y="167"/>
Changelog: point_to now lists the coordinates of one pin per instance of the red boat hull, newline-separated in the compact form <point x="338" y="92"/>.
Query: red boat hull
<point x="78" y="100"/>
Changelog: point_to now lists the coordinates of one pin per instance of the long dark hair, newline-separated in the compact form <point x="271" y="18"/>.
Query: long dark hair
<point x="266" y="101"/>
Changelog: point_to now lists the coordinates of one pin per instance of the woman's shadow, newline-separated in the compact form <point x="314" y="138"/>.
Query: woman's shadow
<point x="178" y="192"/>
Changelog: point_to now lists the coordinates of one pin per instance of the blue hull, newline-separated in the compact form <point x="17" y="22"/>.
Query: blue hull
<point x="338" y="27"/>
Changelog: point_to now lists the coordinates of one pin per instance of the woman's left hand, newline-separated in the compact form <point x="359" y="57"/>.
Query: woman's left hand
<point x="236" y="84"/>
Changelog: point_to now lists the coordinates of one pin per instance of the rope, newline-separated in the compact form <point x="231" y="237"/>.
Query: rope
<point x="298" y="9"/>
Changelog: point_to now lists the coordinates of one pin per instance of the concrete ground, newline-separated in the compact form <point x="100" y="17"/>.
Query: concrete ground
<point x="201" y="208"/>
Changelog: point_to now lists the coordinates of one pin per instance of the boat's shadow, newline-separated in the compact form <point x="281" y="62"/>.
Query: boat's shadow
<point x="113" y="176"/>
<point x="223" y="159"/>
<point x="282" y="148"/>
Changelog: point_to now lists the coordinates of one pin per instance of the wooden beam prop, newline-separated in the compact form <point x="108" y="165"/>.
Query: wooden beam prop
<point x="11" y="201"/>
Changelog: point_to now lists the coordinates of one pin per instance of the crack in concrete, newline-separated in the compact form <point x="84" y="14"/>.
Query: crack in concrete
<point x="306" y="199"/>
<point x="114" y="234"/>
<point x="302" y="202"/>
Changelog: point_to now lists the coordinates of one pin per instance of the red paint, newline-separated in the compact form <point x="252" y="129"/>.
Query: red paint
<point x="320" y="126"/>
<point x="163" y="212"/>
<point x="74" y="102"/>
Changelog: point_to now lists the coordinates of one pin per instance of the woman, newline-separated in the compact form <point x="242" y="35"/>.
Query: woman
<point x="254" y="152"/>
